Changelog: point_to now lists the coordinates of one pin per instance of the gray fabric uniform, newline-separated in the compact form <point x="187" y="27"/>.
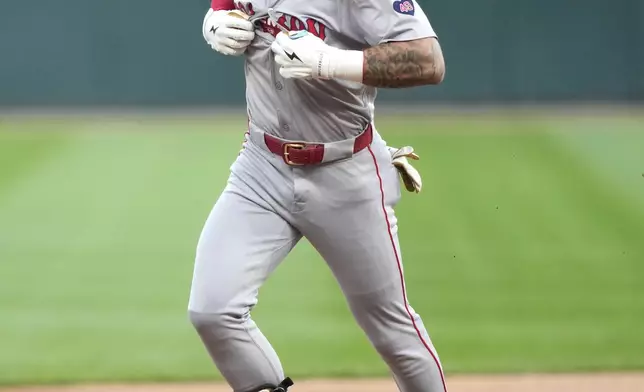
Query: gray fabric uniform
<point x="345" y="208"/>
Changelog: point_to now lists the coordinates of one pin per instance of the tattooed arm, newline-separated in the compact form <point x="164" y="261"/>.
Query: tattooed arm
<point x="404" y="64"/>
<point x="395" y="64"/>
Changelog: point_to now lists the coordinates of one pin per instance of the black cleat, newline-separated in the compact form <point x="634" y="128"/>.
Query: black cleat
<point x="284" y="385"/>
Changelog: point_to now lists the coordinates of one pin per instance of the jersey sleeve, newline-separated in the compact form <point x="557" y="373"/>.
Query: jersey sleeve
<point x="218" y="5"/>
<point x="390" y="20"/>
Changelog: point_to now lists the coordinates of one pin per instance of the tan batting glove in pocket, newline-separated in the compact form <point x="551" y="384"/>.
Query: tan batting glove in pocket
<point x="409" y="175"/>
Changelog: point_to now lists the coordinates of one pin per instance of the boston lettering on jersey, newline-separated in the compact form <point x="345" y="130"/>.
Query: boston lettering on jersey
<point x="290" y="22"/>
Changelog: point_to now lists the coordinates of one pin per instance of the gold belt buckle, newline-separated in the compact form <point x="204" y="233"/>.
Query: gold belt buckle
<point x="285" y="152"/>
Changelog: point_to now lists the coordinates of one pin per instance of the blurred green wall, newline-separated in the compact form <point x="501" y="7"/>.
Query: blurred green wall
<point x="122" y="52"/>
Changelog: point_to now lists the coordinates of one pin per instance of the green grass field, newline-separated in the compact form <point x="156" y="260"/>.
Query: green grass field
<point x="525" y="251"/>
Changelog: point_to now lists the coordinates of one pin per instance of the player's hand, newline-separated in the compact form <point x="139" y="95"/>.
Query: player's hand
<point x="228" y="32"/>
<point x="410" y="176"/>
<point x="302" y="55"/>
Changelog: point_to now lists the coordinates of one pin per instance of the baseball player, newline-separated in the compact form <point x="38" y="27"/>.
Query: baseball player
<point x="313" y="165"/>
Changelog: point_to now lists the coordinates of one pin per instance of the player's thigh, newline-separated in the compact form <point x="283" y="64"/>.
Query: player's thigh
<point x="242" y="242"/>
<point x="353" y="224"/>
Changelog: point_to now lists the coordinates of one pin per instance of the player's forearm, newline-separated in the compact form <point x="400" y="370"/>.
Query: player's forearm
<point x="395" y="64"/>
<point x="404" y="64"/>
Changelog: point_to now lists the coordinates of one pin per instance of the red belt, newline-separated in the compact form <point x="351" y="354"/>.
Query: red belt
<point x="301" y="153"/>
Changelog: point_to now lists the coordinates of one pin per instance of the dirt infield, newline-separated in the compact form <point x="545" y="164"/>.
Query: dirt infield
<point x="627" y="382"/>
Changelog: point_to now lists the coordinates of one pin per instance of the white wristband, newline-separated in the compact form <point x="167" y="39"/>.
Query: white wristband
<point x="345" y="64"/>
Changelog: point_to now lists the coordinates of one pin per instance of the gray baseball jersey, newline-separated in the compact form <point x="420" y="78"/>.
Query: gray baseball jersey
<point x="345" y="207"/>
<point x="321" y="110"/>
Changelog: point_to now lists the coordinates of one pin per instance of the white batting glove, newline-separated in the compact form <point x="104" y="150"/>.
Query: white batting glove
<point x="302" y="55"/>
<point x="410" y="176"/>
<point x="228" y="32"/>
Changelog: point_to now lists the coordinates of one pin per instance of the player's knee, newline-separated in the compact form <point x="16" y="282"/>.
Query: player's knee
<point x="215" y="324"/>
<point x="405" y="360"/>
<point x="198" y="319"/>
<point x="212" y="327"/>
<point x="207" y="322"/>
<point x="389" y="348"/>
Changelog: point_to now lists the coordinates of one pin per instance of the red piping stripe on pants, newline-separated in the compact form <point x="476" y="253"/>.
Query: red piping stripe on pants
<point x="402" y="279"/>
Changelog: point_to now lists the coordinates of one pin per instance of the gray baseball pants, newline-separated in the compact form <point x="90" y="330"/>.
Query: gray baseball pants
<point x="346" y="210"/>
